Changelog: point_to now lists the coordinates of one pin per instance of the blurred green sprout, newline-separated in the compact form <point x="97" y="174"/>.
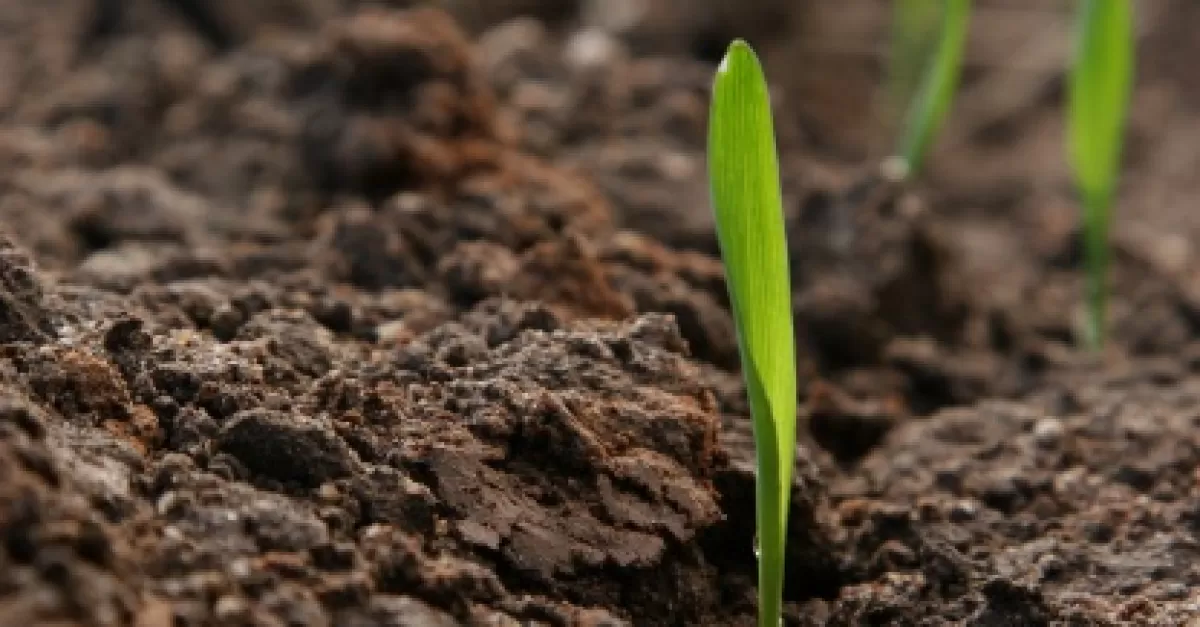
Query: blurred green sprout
<point x="928" y="38"/>
<point x="924" y="73"/>
<point x="1098" y="101"/>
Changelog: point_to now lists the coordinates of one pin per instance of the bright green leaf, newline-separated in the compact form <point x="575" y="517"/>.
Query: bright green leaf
<point x="1100" y="85"/>
<point x="744" y="175"/>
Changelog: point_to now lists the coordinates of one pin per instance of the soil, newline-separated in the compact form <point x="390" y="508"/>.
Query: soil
<point x="339" y="313"/>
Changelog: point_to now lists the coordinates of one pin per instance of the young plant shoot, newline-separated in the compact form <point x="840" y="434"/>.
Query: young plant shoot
<point x="744" y="174"/>
<point x="936" y="92"/>
<point x="915" y="27"/>
<point x="1098" y="101"/>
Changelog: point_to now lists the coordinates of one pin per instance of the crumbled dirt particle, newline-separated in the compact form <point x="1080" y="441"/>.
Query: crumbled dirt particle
<point x="286" y="447"/>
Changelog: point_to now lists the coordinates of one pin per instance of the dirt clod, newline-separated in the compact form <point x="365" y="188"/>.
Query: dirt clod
<point x="285" y="447"/>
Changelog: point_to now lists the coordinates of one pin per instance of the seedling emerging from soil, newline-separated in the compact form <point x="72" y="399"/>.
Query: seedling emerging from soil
<point x="1099" y="99"/>
<point x="914" y="35"/>
<point x="933" y="96"/>
<point x="744" y="174"/>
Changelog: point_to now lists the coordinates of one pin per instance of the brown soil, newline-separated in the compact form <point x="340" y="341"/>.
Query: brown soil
<point x="325" y="312"/>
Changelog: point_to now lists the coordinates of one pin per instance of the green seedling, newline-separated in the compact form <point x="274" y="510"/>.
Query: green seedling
<point x="914" y="34"/>
<point x="744" y="175"/>
<point x="932" y="98"/>
<point x="1099" y="91"/>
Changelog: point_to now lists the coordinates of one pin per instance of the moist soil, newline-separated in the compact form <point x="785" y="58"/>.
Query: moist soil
<point x="339" y="313"/>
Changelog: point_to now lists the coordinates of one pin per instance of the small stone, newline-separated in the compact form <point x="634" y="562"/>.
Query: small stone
<point x="328" y="493"/>
<point x="963" y="511"/>
<point x="230" y="609"/>
<point x="240" y="568"/>
<point x="1048" y="433"/>
<point x="591" y="49"/>
<point x="894" y="169"/>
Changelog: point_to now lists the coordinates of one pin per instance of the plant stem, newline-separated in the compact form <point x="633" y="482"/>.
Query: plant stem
<point x="771" y="541"/>
<point x="770" y="571"/>
<point x="1096" y="258"/>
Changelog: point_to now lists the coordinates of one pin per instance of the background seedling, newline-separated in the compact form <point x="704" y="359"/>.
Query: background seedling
<point x="1100" y="84"/>
<point x="932" y="97"/>
<point x="744" y="175"/>
<point x="914" y="31"/>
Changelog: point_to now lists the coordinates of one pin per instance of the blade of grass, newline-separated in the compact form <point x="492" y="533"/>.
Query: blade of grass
<point x="914" y="34"/>
<point x="933" y="100"/>
<point x="744" y="174"/>
<point x="1099" y="91"/>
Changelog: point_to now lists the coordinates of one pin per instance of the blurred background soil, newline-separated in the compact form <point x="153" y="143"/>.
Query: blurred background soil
<point x="337" y="312"/>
